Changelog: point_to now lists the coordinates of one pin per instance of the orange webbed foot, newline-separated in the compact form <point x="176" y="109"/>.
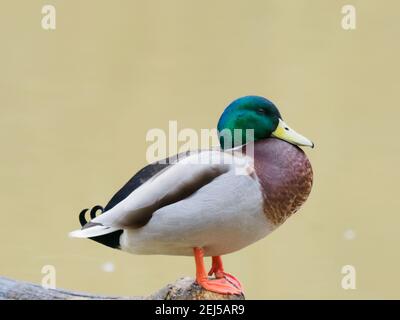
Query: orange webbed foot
<point x="222" y="286"/>
<point x="218" y="269"/>
<point x="224" y="283"/>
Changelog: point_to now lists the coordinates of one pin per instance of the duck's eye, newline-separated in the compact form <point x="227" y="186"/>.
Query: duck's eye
<point x="262" y="111"/>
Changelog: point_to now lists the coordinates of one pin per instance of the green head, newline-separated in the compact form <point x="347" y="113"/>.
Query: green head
<point x="253" y="118"/>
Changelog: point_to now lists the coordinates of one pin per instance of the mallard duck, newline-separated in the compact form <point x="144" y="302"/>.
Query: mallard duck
<point x="211" y="202"/>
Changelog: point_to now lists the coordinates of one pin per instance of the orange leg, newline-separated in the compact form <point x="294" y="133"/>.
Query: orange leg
<point x="220" y="285"/>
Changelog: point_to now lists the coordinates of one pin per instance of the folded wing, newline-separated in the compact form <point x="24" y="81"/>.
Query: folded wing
<point x="172" y="184"/>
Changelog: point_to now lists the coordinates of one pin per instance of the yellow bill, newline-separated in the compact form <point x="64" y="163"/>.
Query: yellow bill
<point x="284" y="132"/>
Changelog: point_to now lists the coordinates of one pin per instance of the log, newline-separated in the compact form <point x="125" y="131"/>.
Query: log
<point x="183" y="289"/>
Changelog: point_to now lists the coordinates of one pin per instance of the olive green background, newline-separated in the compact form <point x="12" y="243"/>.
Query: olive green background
<point x="76" y="104"/>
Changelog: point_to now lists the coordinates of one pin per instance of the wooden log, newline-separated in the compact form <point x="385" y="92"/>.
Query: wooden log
<point x="183" y="289"/>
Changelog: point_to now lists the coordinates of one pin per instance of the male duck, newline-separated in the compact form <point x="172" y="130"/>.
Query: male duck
<point x="211" y="202"/>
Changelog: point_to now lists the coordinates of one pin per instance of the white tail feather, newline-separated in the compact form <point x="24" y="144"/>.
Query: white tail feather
<point x="94" y="231"/>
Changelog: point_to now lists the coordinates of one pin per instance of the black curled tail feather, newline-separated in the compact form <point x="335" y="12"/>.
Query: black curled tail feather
<point x="82" y="219"/>
<point x="109" y="239"/>
<point x="93" y="214"/>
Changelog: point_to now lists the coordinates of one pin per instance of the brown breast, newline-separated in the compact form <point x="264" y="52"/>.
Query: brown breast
<point x="285" y="175"/>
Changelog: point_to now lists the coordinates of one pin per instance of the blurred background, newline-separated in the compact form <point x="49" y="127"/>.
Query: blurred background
<point x="76" y="104"/>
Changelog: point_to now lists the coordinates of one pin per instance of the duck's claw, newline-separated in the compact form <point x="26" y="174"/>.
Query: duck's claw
<point x="232" y="279"/>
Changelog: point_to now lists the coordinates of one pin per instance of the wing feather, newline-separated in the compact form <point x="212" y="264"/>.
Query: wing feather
<point x="170" y="185"/>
